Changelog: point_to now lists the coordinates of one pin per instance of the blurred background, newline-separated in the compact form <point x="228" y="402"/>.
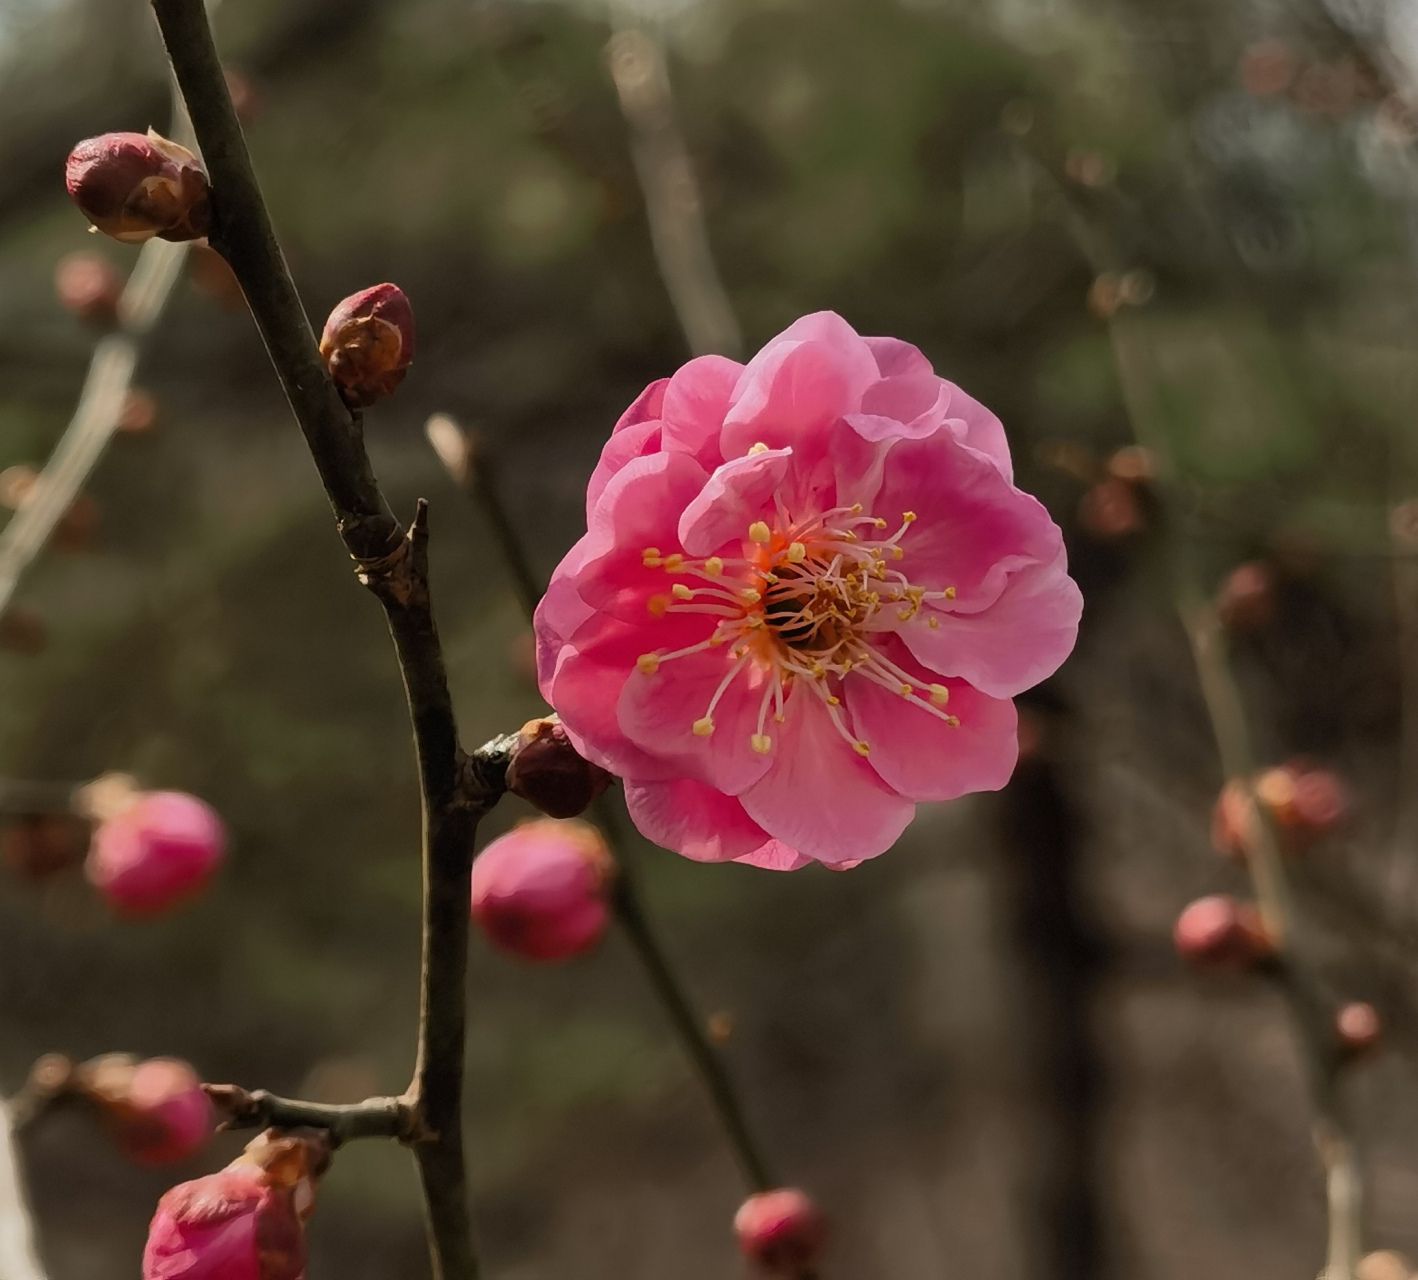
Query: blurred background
<point x="1181" y="221"/>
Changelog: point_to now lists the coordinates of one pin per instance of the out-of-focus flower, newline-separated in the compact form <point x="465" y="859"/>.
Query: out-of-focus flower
<point x="159" y="851"/>
<point x="540" y="891"/>
<point x="719" y="1026"/>
<point x="75" y="529"/>
<point x="15" y="482"/>
<point x="139" y="413"/>
<point x="1357" y="1027"/>
<point x="156" y="1108"/>
<point x="783" y="1230"/>
<point x="89" y="285"/>
<point x="37" y="845"/>
<point x="1383" y="1264"/>
<point x="546" y="770"/>
<point x="1110" y="509"/>
<point x="1245" y="600"/>
<point x="368" y="343"/>
<point x="1304" y="800"/>
<point x="134" y="186"/>
<point x="1219" y="932"/>
<point x="246" y="1222"/>
<point x="808" y="594"/>
<point x="1134" y="463"/>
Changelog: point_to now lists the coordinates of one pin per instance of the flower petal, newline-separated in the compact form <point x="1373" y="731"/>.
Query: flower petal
<point x="634" y="441"/>
<point x="694" y="820"/>
<point x="976" y="426"/>
<point x="696" y="400"/>
<point x="734" y="496"/>
<point x="894" y="357"/>
<point x="776" y="856"/>
<point x="820" y="797"/>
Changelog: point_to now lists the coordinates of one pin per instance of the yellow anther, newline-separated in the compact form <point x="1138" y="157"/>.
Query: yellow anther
<point x="817" y="670"/>
<point x="908" y="516"/>
<point x="861" y="748"/>
<point x="674" y="563"/>
<point x="904" y="690"/>
<point x="761" y="743"/>
<point x="751" y="595"/>
<point x="758" y="532"/>
<point x="905" y="613"/>
<point x="950" y="593"/>
<point x="657" y="604"/>
<point x="648" y="663"/>
<point x="849" y="536"/>
<point x="932" y="622"/>
<point x="681" y="592"/>
<point x="719" y="637"/>
<point x="940" y="695"/>
<point x="754" y="621"/>
<point x="833" y="700"/>
<point x="650" y="557"/>
<point x="757" y="447"/>
<point x="778" y="718"/>
<point x="953" y="721"/>
<point x="703" y="728"/>
<point x="897" y="553"/>
<point x="797" y="552"/>
<point x="879" y="523"/>
<point x="856" y="508"/>
<point x="713" y="566"/>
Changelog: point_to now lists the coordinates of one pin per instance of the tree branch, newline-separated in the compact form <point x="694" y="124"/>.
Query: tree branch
<point x="372" y="1118"/>
<point x="455" y="790"/>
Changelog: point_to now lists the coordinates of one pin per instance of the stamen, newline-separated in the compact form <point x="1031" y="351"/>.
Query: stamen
<point x="758" y="447"/>
<point x="797" y="552"/>
<point x="674" y="563"/>
<point x="648" y="663"/>
<point x="650" y="557"/>
<point x="702" y="728"/>
<point x="657" y="604"/>
<point x="713" y="566"/>
<point x="940" y="695"/>
<point x="861" y="748"/>
<point x="761" y="743"/>
<point x="758" y="532"/>
<point x="681" y="592"/>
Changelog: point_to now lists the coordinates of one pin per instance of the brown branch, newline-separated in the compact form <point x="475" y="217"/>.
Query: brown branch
<point x="455" y="789"/>
<point x="372" y="1118"/>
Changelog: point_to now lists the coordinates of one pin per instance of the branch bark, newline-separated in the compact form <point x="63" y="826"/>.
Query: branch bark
<point x="455" y="789"/>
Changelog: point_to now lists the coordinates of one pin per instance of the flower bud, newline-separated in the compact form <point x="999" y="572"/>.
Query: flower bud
<point x="1245" y="600"/>
<point x="134" y="186"/>
<point x="547" y="771"/>
<point x="1383" y="1264"/>
<point x="783" y="1230"/>
<point x="139" y="412"/>
<point x="160" y="850"/>
<point x="1233" y="821"/>
<point x="1220" y="933"/>
<point x="246" y="1222"/>
<point x="1307" y="801"/>
<point x="1110" y="509"/>
<point x="368" y="343"/>
<point x="156" y="1109"/>
<point x="1357" y="1028"/>
<point x="89" y="285"/>
<point x="540" y="891"/>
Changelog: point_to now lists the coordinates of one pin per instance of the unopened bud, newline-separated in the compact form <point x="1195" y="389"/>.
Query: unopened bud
<point x="1246" y="598"/>
<point x="134" y="186"/>
<point x="783" y="1231"/>
<point x="368" y="343"/>
<point x="1220" y="933"/>
<point x="540" y="891"/>
<point x="1357" y="1028"/>
<point x="1234" y="820"/>
<point x="1383" y="1264"/>
<point x="89" y="285"/>
<point x="34" y="846"/>
<point x="156" y="1109"/>
<point x="548" y="772"/>
<point x="246" y="1222"/>
<point x="159" y="851"/>
<point x="1110" y="509"/>
<point x="1305" y="800"/>
<point x="1133" y="463"/>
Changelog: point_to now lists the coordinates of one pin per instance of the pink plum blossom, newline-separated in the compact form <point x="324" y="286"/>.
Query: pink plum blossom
<point x="158" y="851"/>
<point x="808" y="593"/>
<point x="540" y="890"/>
<point x="167" y="1116"/>
<point x="782" y="1230"/>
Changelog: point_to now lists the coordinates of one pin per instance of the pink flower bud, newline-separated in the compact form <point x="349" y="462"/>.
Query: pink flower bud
<point x="89" y="285"/>
<point x="156" y="1109"/>
<point x="160" y="850"/>
<point x="134" y="186"/>
<point x="540" y="890"/>
<point x="1357" y="1028"/>
<point x="368" y="343"/>
<point x="783" y="1230"/>
<point x="1110" y="509"/>
<point x="1233" y="821"/>
<point x="246" y="1222"/>
<point x="1307" y="801"/>
<point x="547" y="771"/>
<point x="1220" y="933"/>
<point x="1245" y="600"/>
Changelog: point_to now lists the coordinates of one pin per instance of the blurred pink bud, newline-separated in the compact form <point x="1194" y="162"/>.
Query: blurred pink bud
<point x="540" y="890"/>
<point x="1384" y="1264"/>
<point x="1133" y="463"/>
<point x="246" y="1222"/>
<point x="1220" y="933"/>
<point x="548" y="772"/>
<point x="1110" y="509"/>
<point x="156" y="1109"/>
<point x="1245" y="600"/>
<point x="783" y="1230"/>
<point x="89" y="285"/>
<point x="159" y="851"/>
<point x="1233" y="821"/>
<point x="1306" y="800"/>
<point x="134" y="186"/>
<point x="368" y="343"/>
<point x="1357" y="1027"/>
<point x="139" y="412"/>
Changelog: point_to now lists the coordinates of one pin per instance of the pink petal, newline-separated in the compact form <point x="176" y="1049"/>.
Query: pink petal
<point x="560" y="613"/>
<point x="634" y="441"/>
<point x="1018" y="640"/>
<point x="645" y="406"/>
<point x="977" y="427"/>
<point x="776" y="856"/>
<point x="920" y="755"/>
<point x="918" y="399"/>
<point x="822" y="798"/>
<point x="847" y="347"/>
<point x="694" y="820"/>
<point x="657" y="712"/>
<point x="737" y="494"/>
<point x="894" y="357"/>
<point x="696" y="401"/>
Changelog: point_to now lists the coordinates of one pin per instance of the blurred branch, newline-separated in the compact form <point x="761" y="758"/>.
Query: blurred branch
<point x="475" y="472"/>
<point x="673" y="202"/>
<point x="456" y="789"/>
<point x="20" y="796"/>
<point x="18" y="1259"/>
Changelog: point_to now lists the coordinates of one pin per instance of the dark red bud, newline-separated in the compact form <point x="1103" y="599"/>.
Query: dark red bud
<point x="1220" y="933"/>
<point x="89" y="285"/>
<point x="134" y="186"/>
<point x="549" y="772"/>
<point x="368" y="343"/>
<point x="783" y="1231"/>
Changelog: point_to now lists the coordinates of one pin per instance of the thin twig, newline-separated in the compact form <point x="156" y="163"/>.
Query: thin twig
<point x="472" y="467"/>
<point x="372" y="1118"/>
<point x="21" y="797"/>
<point x="673" y="202"/>
<point x="18" y="1259"/>
<point x="455" y="789"/>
